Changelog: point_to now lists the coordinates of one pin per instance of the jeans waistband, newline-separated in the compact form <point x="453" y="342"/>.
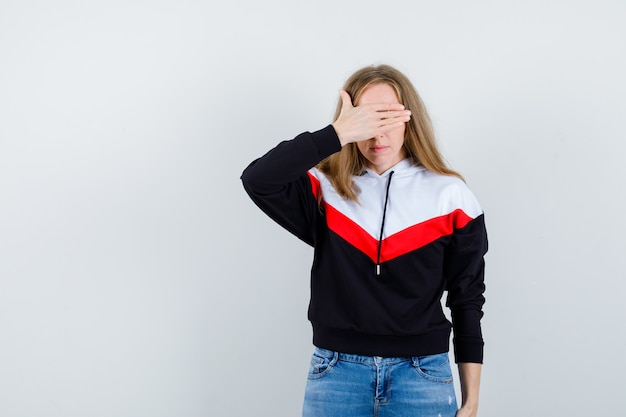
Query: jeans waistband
<point x="349" y="357"/>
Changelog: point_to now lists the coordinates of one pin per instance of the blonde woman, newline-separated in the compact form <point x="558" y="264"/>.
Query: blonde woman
<point x="393" y="228"/>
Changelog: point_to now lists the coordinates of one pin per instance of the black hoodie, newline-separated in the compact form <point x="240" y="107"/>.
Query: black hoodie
<point x="381" y="264"/>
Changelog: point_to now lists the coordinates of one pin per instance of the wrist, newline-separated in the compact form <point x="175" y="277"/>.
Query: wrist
<point x="467" y="410"/>
<point x="340" y="134"/>
<point x="470" y="405"/>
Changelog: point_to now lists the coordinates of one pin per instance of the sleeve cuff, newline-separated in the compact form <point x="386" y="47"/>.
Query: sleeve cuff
<point x="326" y="141"/>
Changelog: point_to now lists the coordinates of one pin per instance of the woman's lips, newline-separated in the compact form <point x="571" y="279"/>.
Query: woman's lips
<point x="379" y="149"/>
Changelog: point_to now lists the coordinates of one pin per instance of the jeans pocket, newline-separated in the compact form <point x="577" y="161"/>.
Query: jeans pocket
<point x="434" y="367"/>
<point x="322" y="362"/>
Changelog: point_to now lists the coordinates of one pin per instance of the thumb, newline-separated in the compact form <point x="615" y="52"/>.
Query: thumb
<point x="346" y="101"/>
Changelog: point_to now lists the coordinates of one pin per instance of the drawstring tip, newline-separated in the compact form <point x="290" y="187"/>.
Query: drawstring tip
<point x="378" y="269"/>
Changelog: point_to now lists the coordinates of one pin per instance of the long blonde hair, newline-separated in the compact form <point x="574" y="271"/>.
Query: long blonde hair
<point x="420" y="146"/>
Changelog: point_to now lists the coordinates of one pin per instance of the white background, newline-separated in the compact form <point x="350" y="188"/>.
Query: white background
<point x="137" y="279"/>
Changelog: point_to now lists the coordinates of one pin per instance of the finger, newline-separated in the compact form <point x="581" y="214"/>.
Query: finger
<point x="382" y="107"/>
<point x="388" y="128"/>
<point x="401" y="114"/>
<point x="346" y="100"/>
<point x="393" y="123"/>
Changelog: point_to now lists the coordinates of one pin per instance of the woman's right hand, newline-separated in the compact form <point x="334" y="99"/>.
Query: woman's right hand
<point x="356" y="124"/>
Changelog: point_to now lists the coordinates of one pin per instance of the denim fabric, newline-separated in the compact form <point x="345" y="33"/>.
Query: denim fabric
<point x="345" y="385"/>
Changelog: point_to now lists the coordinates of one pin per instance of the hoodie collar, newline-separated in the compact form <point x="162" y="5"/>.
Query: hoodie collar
<point x="398" y="169"/>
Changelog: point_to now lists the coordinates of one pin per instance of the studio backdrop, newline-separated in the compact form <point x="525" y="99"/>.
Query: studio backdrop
<point x="138" y="279"/>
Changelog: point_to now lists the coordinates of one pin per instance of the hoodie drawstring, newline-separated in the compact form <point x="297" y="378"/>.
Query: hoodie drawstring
<point x="382" y="226"/>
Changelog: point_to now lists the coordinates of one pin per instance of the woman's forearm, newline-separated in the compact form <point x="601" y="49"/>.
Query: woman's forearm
<point x="469" y="376"/>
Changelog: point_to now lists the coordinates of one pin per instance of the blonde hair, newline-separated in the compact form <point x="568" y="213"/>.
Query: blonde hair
<point x="420" y="146"/>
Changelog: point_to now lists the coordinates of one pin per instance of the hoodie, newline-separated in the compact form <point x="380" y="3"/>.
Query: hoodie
<point x="381" y="265"/>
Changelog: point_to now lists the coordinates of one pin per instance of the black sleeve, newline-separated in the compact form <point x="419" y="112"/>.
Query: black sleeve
<point x="465" y="269"/>
<point x="279" y="184"/>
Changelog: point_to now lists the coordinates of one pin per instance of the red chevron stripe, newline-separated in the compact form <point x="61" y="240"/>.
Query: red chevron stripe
<point x="351" y="232"/>
<point x="315" y="185"/>
<point x="400" y="243"/>
<point x="422" y="234"/>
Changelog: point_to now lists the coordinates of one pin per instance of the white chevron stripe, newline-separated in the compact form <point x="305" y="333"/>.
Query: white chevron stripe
<point x="416" y="195"/>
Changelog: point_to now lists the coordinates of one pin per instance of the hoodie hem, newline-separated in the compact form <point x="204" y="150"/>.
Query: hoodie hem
<point x="350" y="341"/>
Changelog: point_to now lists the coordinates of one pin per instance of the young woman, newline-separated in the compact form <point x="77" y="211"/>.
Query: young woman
<point x="393" y="228"/>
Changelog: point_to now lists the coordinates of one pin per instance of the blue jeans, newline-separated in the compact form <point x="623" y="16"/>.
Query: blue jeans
<point x="345" y="385"/>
